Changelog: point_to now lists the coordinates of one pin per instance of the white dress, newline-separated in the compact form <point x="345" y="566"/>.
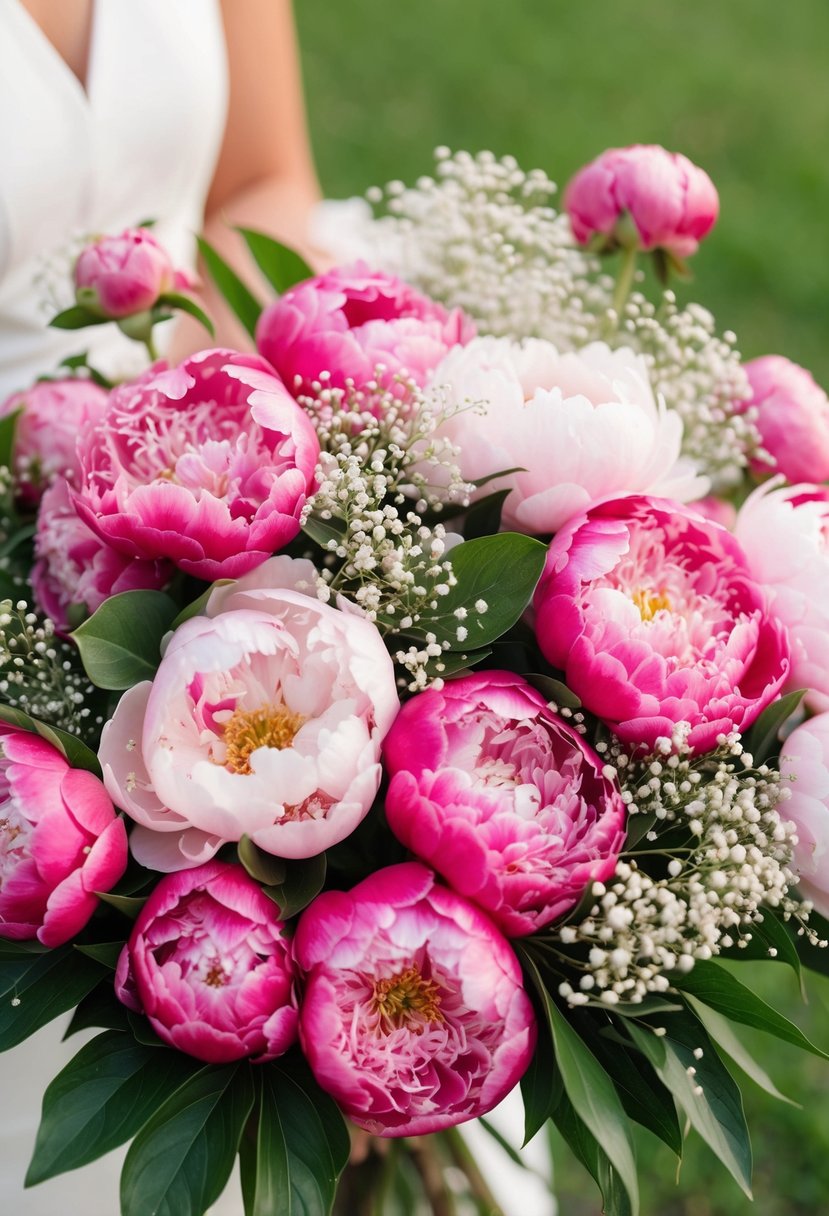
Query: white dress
<point x="140" y="142"/>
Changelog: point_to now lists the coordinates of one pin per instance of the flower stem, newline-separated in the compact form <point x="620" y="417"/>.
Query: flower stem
<point x="462" y="1156"/>
<point x="426" y="1162"/>
<point x="624" y="282"/>
<point x="152" y="350"/>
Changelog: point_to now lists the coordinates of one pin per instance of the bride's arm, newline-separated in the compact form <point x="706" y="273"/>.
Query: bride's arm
<point x="265" y="176"/>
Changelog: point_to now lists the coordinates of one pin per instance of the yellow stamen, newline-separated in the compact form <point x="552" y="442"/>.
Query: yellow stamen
<point x="406" y="999"/>
<point x="650" y="602"/>
<point x="247" y="730"/>
<point x="215" y="976"/>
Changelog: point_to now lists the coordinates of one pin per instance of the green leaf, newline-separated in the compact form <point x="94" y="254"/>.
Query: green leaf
<point x="616" y="1201"/>
<point x="105" y="953"/>
<point x="197" y="606"/>
<point x="77" y="317"/>
<point x="450" y="664"/>
<point x="592" y="1095"/>
<point x="103" y="1096"/>
<point x="99" y="1009"/>
<point x="262" y="866"/>
<point x="282" y="267"/>
<point x="644" y="1097"/>
<point x="553" y="690"/>
<point x="718" y="989"/>
<point x="302" y="1145"/>
<point x="175" y="299"/>
<point x="321" y="531"/>
<point x="130" y="905"/>
<point x="816" y="958"/>
<point x="503" y="1143"/>
<point x="70" y="747"/>
<point x="181" y="1159"/>
<point x="502" y="571"/>
<point x="120" y="643"/>
<point x="303" y="881"/>
<point x="43" y="987"/>
<point x="13" y="951"/>
<point x="484" y="517"/>
<point x="241" y="301"/>
<point x="717" y="1112"/>
<point x="8" y="428"/>
<point x="540" y="1085"/>
<point x="762" y="740"/>
<point x="722" y="1032"/>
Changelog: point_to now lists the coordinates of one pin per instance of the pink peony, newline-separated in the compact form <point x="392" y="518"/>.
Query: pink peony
<point x="265" y="718"/>
<point x="74" y="566"/>
<point x="208" y="963"/>
<point x="208" y="464"/>
<point x="576" y="426"/>
<point x="351" y="321"/>
<point x="718" y="510"/>
<point x="792" y="418"/>
<point x="53" y="414"/>
<point x="60" y="841"/>
<point x="784" y="532"/>
<point x="652" y="614"/>
<point x="414" y="1017"/>
<point x="118" y="276"/>
<point x="804" y="770"/>
<point x="505" y="800"/>
<point x="671" y="202"/>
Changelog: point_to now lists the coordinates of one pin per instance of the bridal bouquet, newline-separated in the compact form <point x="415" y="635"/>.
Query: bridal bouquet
<point x="431" y="702"/>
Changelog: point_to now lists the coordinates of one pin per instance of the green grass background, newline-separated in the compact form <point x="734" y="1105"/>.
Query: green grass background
<point x="740" y="86"/>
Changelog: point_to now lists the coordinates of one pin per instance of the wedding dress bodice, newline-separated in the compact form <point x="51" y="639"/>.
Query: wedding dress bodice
<point x="139" y="142"/>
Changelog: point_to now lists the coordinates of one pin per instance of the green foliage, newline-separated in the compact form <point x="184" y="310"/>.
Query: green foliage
<point x="239" y="299"/>
<point x="281" y="266"/>
<point x="120" y="643"/>
<point x="73" y="750"/>
<point x="37" y="987"/>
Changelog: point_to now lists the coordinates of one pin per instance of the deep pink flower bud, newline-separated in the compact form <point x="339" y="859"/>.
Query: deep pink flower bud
<point x="792" y="418"/>
<point x="503" y="798"/>
<point x="653" y="615"/>
<point x="671" y="202"/>
<point x="350" y="321"/>
<point x="414" y="1016"/>
<point x="208" y="963"/>
<point x="208" y="464"/>
<point x="60" y="841"/>
<point x="118" y="276"/>
<point x="52" y="415"/>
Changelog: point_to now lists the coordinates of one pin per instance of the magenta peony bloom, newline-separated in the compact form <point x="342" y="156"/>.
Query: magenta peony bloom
<point x="53" y="414"/>
<point x="60" y="841"/>
<point x="671" y="202"/>
<point x="208" y="964"/>
<point x="784" y="531"/>
<point x="804" y="771"/>
<point x="350" y="321"/>
<point x="208" y="464"/>
<point x="505" y="800"/>
<point x="118" y="276"/>
<point x="414" y="1017"/>
<point x="265" y="719"/>
<point x="792" y="418"/>
<point x="74" y="566"/>
<point x="652" y="614"/>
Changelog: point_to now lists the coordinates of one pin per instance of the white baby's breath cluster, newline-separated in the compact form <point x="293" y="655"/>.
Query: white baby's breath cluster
<point x="482" y="235"/>
<point x="384" y="479"/>
<point x="665" y="908"/>
<point x="39" y="672"/>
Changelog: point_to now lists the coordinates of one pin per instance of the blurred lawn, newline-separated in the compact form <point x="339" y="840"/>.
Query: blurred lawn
<point x="741" y="87"/>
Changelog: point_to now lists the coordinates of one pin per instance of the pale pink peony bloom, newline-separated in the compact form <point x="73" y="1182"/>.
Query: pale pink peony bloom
<point x="208" y="464"/>
<point x="804" y="772"/>
<point x="118" y="276"/>
<point x="265" y="719"/>
<point x="576" y="426"/>
<point x="351" y="321"/>
<point x="718" y="510"/>
<point x="414" y="1016"/>
<point x="671" y="202"/>
<point x="784" y="532"/>
<point x="503" y="798"/>
<point x="653" y="616"/>
<point x="60" y="841"/>
<point x="207" y="962"/>
<point x="74" y="566"/>
<point x="792" y="416"/>
<point x="53" y="414"/>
